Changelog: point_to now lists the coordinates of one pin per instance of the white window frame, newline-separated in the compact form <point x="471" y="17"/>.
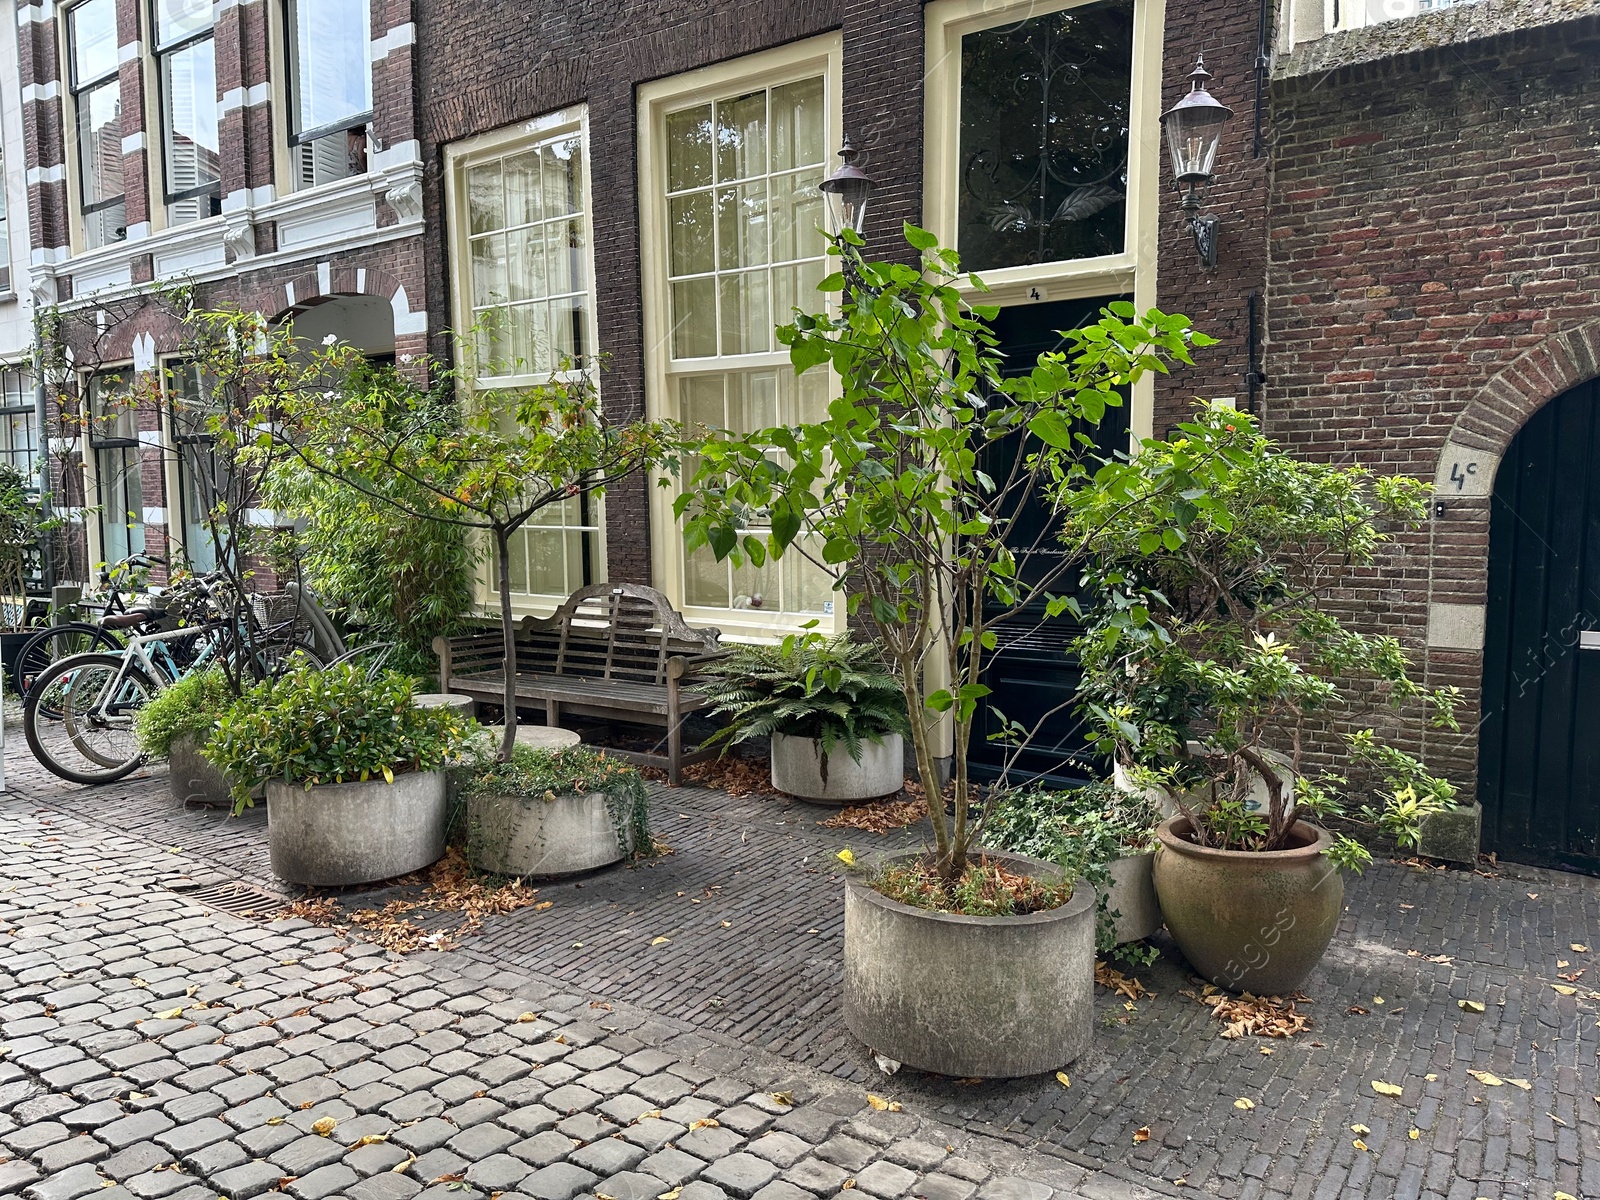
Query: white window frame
<point x="458" y="157"/>
<point x="94" y="530"/>
<point x="158" y="138"/>
<point x="73" y="88"/>
<point x="822" y="55"/>
<point x="1133" y="271"/>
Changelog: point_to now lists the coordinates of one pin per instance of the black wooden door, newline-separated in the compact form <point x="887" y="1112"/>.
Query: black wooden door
<point x="1031" y="671"/>
<point x="1539" y="744"/>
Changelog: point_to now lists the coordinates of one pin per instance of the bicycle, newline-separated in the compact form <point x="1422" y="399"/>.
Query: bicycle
<point x="66" y="638"/>
<point x="81" y="710"/>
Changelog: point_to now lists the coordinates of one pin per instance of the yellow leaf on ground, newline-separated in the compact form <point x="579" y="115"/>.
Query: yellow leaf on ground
<point x="1521" y="1083"/>
<point x="1359" y="1144"/>
<point x="1485" y="1078"/>
<point x="882" y="1105"/>
<point x="371" y="1139"/>
<point x="848" y="1185"/>
<point x="1386" y="1089"/>
<point x="324" y="1126"/>
<point x="1361" y="1129"/>
<point x="1414" y="1134"/>
<point x="1580" y="947"/>
<point x="1471" y="1005"/>
<point x="1564" y="990"/>
<point x="672" y="1195"/>
<point x="783" y="1097"/>
<point x="1063" y="1079"/>
<point x="275" y="1120"/>
<point x="401" y="1167"/>
<point x="1430" y="1077"/>
<point x="527" y="1018"/>
<point x="847" y="857"/>
<point x="1142" y="1134"/>
<point x="660" y="941"/>
<point x="1245" y="1103"/>
<point x="705" y="1123"/>
<point x="172" y="1014"/>
<point x="1565" y="1196"/>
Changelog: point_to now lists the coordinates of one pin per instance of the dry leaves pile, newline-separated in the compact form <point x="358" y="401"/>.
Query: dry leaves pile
<point x="1108" y="976"/>
<point x="451" y="887"/>
<point x="1260" y="1016"/>
<point x="878" y="818"/>
<point x="735" y="775"/>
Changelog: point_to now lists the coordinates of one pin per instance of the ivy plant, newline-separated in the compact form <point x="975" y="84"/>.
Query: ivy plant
<point x="537" y="776"/>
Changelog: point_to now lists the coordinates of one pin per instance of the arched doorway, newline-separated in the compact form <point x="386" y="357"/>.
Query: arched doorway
<point x="1539" y="740"/>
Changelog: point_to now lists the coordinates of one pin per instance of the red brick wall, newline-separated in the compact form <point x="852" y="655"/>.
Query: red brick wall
<point x="1434" y="267"/>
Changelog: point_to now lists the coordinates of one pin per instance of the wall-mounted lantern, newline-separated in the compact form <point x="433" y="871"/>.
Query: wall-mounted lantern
<point x="1194" y="130"/>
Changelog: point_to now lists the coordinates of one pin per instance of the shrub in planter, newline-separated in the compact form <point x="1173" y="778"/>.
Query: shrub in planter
<point x="1099" y="832"/>
<point x="554" y="812"/>
<point x="1210" y="654"/>
<point x="176" y="724"/>
<point x="353" y="770"/>
<point x="917" y="495"/>
<point x="835" y="715"/>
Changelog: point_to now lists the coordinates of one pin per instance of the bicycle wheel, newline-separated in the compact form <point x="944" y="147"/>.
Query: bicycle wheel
<point x="54" y="644"/>
<point x="94" y="698"/>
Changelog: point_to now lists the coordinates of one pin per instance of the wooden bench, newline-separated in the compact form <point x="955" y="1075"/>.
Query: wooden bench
<point x="612" y="650"/>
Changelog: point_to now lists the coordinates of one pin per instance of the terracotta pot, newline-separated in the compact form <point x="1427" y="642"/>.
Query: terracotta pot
<point x="994" y="997"/>
<point x="1249" y="921"/>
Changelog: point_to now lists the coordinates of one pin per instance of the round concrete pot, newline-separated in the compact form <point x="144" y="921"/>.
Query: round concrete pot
<point x="192" y="779"/>
<point x="799" y="769"/>
<point x="1249" y="921"/>
<point x="343" y="833"/>
<point x="987" y="997"/>
<point x="1132" y="898"/>
<point x="532" y="835"/>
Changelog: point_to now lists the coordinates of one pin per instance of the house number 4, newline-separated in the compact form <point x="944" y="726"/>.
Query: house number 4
<point x="1459" y="479"/>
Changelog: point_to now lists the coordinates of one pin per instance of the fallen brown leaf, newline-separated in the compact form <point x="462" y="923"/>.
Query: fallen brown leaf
<point x="1108" y="976"/>
<point x="1142" y="1134"/>
<point x="1259" y="1016"/>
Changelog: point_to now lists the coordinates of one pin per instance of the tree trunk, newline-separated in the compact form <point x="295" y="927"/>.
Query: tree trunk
<point x="508" y="644"/>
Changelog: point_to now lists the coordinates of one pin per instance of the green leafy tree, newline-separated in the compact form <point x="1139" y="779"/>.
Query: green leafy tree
<point x="896" y="494"/>
<point x="488" y="464"/>
<point x="1213" y="649"/>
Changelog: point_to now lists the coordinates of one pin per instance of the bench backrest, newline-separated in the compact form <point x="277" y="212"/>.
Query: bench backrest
<point x="621" y="631"/>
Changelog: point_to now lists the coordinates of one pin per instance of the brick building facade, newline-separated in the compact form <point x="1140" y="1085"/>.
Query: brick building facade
<point x="264" y="153"/>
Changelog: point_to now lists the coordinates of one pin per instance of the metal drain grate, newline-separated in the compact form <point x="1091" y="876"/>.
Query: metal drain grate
<point x="240" y="899"/>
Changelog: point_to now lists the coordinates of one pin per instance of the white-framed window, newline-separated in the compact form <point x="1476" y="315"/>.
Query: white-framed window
<point x="730" y="162"/>
<point x="19" y="421"/>
<point x="93" y="78"/>
<point x="5" y="232"/>
<point x="1042" y="150"/>
<point x="186" y="70"/>
<point x="116" y="464"/>
<point x="519" y="221"/>
<point x="199" y="478"/>
<point x="329" y="45"/>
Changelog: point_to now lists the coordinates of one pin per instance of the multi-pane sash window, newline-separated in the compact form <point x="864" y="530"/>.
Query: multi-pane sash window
<point x="744" y="249"/>
<point x="5" y="233"/>
<point x="520" y="212"/>
<point x="330" y="75"/>
<point x="97" y="103"/>
<point x="119" y="485"/>
<point x="529" y="247"/>
<point x="19" y="422"/>
<point x="187" y="61"/>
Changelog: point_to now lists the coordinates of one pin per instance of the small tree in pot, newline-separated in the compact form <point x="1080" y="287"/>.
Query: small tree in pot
<point x="888" y="495"/>
<point x="1212" y="653"/>
<point x="813" y="697"/>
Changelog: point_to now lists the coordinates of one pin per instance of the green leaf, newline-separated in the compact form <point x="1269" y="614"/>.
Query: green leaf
<point x="1051" y="428"/>
<point x="918" y="238"/>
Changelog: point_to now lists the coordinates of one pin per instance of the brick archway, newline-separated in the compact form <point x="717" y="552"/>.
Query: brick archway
<point x="326" y="281"/>
<point x="1458" y="533"/>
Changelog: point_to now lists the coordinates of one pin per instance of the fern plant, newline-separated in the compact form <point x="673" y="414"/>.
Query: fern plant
<point x="833" y="690"/>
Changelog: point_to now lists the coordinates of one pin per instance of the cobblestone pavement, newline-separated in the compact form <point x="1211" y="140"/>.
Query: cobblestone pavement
<point x="751" y="971"/>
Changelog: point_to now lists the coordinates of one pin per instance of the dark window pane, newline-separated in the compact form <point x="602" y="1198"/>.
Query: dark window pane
<point x="1044" y="137"/>
<point x="333" y="77"/>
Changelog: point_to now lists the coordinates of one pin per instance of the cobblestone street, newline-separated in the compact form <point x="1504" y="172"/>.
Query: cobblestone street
<point x="157" y="1046"/>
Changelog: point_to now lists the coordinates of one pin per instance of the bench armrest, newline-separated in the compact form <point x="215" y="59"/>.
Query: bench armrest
<point x="680" y="666"/>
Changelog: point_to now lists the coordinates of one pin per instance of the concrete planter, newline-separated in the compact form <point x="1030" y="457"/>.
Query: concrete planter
<point x="1453" y="835"/>
<point x="192" y="779"/>
<point x="532" y="835"/>
<point x="988" y="997"/>
<point x="1249" y="921"/>
<point x="798" y="769"/>
<point x="1132" y="897"/>
<point x="343" y="833"/>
